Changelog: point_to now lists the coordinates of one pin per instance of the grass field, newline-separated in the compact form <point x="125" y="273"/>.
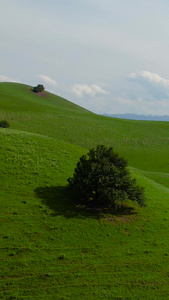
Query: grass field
<point x="50" y="247"/>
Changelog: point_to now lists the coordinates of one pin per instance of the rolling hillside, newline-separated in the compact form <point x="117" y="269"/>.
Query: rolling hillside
<point x="144" y="144"/>
<point x="53" y="249"/>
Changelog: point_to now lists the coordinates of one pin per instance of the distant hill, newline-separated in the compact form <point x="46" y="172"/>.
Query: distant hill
<point x="138" y="117"/>
<point x="55" y="117"/>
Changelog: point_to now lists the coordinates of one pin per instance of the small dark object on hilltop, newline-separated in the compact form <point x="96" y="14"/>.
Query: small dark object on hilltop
<point x="102" y="179"/>
<point x="4" y="124"/>
<point x="39" y="88"/>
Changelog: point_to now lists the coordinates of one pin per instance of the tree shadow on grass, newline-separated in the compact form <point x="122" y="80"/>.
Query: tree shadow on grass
<point x="63" y="202"/>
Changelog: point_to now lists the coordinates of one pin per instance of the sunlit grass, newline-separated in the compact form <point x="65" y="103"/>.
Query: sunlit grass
<point x="52" y="248"/>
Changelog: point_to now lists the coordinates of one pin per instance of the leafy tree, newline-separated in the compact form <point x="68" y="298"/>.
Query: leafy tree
<point x="102" y="178"/>
<point x="4" y="124"/>
<point x="39" y="88"/>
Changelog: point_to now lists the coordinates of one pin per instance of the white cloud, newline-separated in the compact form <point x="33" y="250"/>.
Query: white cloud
<point x="4" y="78"/>
<point x="48" y="80"/>
<point x="91" y="90"/>
<point x="151" y="85"/>
<point x="151" y="77"/>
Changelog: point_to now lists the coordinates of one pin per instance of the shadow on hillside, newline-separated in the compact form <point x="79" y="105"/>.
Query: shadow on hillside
<point x="41" y="94"/>
<point x="62" y="202"/>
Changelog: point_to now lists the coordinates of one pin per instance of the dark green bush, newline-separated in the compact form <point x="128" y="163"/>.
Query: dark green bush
<point x="39" y="88"/>
<point x="102" y="178"/>
<point x="4" y="124"/>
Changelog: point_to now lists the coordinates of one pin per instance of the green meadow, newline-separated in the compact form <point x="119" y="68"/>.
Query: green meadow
<point x="51" y="248"/>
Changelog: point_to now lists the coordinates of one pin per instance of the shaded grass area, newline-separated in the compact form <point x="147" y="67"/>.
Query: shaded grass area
<point x="62" y="202"/>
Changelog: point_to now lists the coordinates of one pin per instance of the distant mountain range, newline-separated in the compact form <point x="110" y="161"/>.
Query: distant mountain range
<point x="138" y="117"/>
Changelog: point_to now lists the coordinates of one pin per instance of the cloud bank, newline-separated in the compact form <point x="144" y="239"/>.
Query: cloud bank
<point x="91" y="90"/>
<point x="48" y="80"/>
<point x="150" y="77"/>
<point x="4" y="78"/>
<point x="140" y="92"/>
<point x="152" y="85"/>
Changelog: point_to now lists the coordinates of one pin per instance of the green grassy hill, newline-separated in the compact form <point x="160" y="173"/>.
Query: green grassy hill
<point x="53" y="249"/>
<point x="145" y="144"/>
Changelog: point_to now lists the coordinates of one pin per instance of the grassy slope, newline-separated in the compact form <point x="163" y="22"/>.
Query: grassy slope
<point x="50" y="248"/>
<point x="144" y="144"/>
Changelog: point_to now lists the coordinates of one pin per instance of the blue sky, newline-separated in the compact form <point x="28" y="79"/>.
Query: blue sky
<point x="107" y="56"/>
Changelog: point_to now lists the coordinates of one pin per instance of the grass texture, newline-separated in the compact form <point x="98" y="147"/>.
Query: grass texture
<point x="50" y="247"/>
